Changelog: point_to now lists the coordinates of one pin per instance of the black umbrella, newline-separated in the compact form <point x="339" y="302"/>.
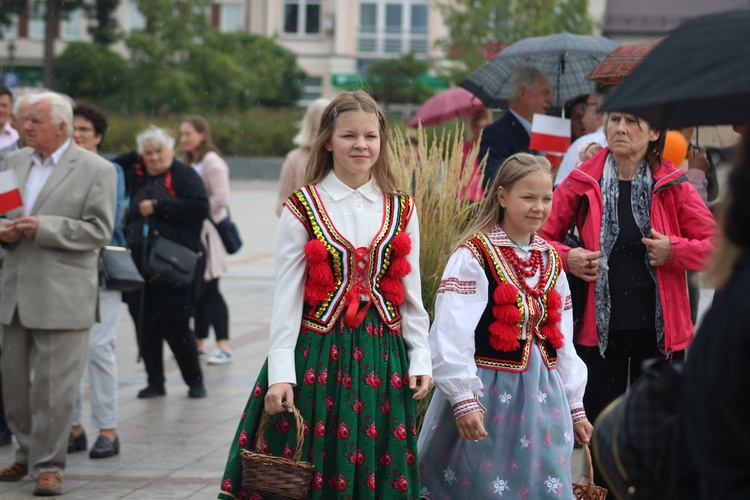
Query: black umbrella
<point x="698" y="75"/>
<point x="564" y="58"/>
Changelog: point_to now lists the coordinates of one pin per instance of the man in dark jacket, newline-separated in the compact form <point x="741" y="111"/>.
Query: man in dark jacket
<point x="530" y="93"/>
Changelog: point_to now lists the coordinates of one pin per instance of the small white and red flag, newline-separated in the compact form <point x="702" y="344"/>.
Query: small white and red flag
<point x="550" y="133"/>
<point x="10" y="195"/>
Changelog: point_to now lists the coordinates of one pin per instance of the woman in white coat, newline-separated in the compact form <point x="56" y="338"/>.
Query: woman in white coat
<point x="211" y="309"/>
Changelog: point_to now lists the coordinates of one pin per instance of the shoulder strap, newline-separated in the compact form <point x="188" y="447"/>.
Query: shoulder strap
<point x="582" y="204"/>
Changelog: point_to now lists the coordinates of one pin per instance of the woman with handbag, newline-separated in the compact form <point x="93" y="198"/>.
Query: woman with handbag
<point x="646" y="225"/>
<point x="211" y="308"/>
<point x="168" y="202"/>
<point x="348" y="329"/>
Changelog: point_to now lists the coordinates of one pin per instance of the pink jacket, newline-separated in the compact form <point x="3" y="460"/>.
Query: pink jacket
<point x="215" y="174"/>
<point x="676" y="211"/>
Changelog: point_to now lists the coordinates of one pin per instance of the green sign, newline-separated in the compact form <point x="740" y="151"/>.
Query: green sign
<point x="349" y="81"/>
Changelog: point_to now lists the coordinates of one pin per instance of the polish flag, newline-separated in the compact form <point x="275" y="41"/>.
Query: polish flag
<point x="10" y="195"/>
<point x="550" y="133"/>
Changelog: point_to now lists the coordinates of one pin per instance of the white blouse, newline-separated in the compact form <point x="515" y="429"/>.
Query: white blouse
<point x="458" y="310"/>
<point x="358" y="215"/>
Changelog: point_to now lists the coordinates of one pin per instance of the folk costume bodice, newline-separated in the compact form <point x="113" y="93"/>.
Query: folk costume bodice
<point x="346" y="280"/>
<point x="516" y="311"/>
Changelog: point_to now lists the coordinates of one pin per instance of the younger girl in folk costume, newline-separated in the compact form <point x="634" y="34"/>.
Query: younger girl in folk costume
<point x="348" y="329"/>
<point x="511" y="384"/>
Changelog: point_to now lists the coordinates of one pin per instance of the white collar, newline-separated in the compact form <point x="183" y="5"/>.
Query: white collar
<point x="56" y="155"/>
<point x="338" y="190"/>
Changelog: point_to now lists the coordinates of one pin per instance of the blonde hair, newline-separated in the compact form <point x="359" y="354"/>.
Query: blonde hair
<point x="490" y="213"/>
<point x="320" y="160"/>
<point x="310" y="123"/>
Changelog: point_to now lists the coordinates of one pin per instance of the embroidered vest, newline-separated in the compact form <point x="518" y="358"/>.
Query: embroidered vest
<point x="533" y="310"/>
<point x="307" y="206"/>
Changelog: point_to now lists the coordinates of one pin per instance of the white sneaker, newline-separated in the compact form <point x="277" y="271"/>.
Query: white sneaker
<point x="219" y="357"/>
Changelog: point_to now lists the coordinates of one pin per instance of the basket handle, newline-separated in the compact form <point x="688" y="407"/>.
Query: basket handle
<point x="300" y="430"/>
<point x="590" y="462"/>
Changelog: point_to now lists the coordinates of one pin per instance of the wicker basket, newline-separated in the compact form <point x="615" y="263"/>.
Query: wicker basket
<point x="589" y="491"/>
<point x="285" y="477"/>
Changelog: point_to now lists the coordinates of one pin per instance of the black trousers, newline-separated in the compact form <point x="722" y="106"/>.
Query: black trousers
<point x="609" y="377"/>
<point x="211" y="309"/>
<point x="177" y="333"/>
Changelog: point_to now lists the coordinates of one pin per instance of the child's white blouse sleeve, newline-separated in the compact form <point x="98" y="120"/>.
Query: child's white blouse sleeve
<point x="460" y="302"/>
<point x="288" y="300"/>
<point x="571" y="368"/>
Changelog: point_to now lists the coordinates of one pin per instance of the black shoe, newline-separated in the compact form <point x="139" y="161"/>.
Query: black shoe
<point x="152" y="391"/>
<point x="197" y="391"/>
<point x="77" y="443"/>
<point x="5" y="438"/>
<point x="104" y="448"/>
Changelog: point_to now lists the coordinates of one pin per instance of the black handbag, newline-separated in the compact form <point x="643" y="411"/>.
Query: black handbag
<point x="577" y="285"/>
<point x="171" y="263"/>
<point x="229" y="234"/>
<point x="118" y="269"/>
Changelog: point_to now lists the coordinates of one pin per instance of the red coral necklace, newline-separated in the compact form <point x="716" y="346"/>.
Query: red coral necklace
<point x="526" y="269"/>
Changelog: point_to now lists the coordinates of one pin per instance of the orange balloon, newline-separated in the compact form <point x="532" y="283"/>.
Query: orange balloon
<point x="675" y="147"/>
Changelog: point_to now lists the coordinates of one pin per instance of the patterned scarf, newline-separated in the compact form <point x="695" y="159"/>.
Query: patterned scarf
<point x="640" y="201"/>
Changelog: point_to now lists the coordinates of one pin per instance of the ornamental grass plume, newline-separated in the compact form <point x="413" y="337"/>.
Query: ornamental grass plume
<point x="436" y="179"/>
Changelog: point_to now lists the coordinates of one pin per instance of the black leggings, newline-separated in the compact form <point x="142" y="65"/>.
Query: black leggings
<point x="211" y="309"/>
<point x="610" y="377"/>
<point x="176" y="331"/>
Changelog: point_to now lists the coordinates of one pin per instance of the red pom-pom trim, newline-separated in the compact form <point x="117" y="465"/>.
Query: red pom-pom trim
<point x="319" y="282"/>
<point x="393" y="290"/>
<point x="401" y="244"/>
<point x="504" y="336"/>
<point x="505" y="293"/>
<point x="550" y="330"/>
<point x="390" y="285"/>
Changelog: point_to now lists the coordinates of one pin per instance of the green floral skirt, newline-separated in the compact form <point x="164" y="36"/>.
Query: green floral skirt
<point x="360" y="418"/>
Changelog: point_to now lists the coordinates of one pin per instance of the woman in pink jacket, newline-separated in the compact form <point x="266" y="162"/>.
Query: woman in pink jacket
<point x="645" y="227"/>
<point x="211" y="309"/>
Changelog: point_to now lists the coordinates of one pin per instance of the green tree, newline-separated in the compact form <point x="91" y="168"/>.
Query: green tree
<point x="90" y="71"/>
<point x="104" y="31"/>
<point x="240" y="70"/>
<point x="395" y="80"/>
<point x="478" y="29"/>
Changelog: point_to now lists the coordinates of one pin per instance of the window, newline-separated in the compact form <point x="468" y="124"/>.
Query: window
<point x="136" y="21"/>
<point x="419" y="19"/>
<point x="393" y="18"/>
<point x="313" y="89"/>
<point x="231" y="17"/>
<point x="11" y="31"/>
<point x="302" y="17"/>
<point x="36" y="26"/>
<point x="71" y="27"/>
<point x="388" y="28"/>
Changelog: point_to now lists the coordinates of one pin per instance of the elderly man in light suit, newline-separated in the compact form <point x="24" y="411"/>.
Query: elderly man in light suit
<point x="50" y="286"/>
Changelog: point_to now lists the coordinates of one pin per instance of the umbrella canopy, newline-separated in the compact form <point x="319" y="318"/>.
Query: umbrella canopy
<point x="564" y="58"/>
<point x="445" y="106"/>
<point x="698" y="75"/>
<point x="620" y="62"/>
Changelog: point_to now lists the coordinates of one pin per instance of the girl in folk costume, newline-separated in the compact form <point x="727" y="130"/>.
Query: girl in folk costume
<point x="511" y="384"/>
<point x="348" y="329"/>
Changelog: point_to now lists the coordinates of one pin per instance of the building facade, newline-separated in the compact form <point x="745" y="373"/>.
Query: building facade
<point x="334" y="40"/>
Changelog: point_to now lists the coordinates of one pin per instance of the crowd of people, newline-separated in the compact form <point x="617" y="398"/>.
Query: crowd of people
<point x="352" y="348"/>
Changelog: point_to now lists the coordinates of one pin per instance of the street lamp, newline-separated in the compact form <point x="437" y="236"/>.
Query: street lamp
<point x="11" y="54"/>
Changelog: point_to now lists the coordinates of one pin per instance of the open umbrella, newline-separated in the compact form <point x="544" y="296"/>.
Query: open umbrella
<point x="445" y="106"/>
<point x="698" y="75"/>
<point x="620" y="62"/>
<point x="564" y="58"/>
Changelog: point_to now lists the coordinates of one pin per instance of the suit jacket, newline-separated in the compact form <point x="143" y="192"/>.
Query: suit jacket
<point x="502" y="139"/>
<point x="52" y="279"/>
